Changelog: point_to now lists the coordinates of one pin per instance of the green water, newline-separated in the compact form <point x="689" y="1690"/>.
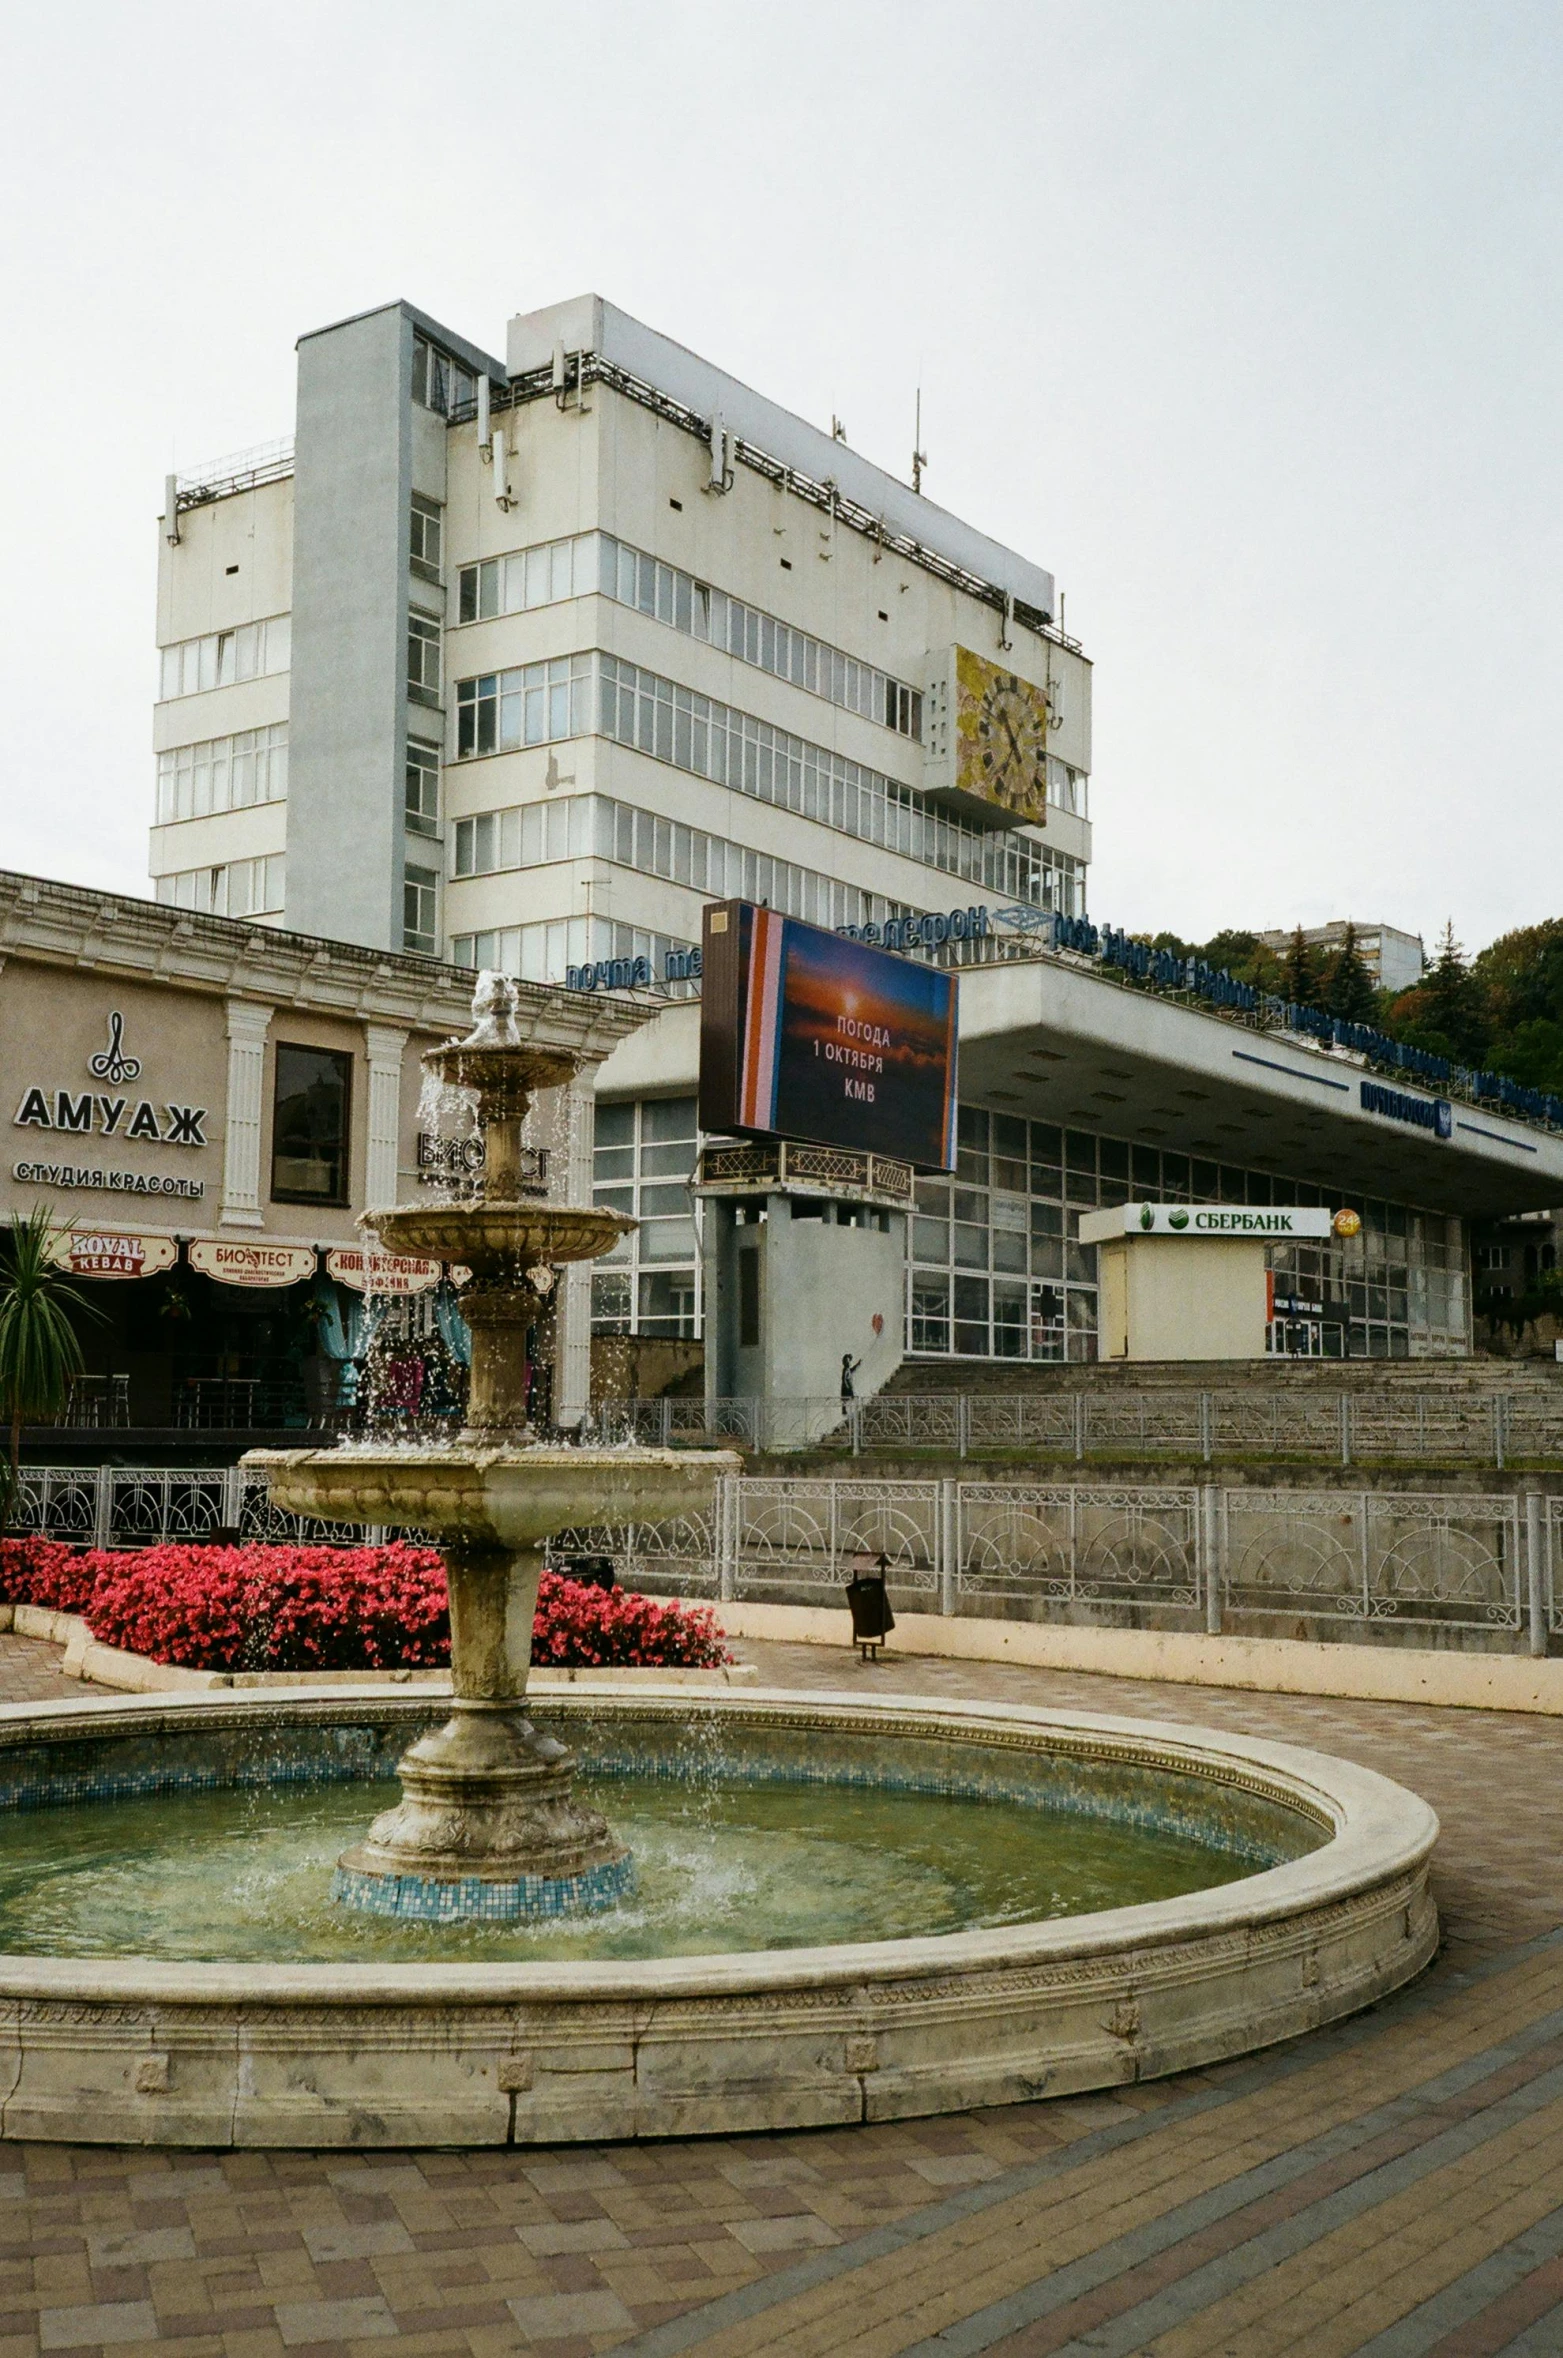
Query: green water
<point x="244" y="1875"/>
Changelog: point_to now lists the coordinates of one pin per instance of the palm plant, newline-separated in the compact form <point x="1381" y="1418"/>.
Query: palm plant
<point x="39" y="1351"/>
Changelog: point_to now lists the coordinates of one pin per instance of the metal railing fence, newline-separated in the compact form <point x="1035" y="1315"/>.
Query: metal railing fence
<point x="1402" y="1423"/>
<point x="1354" y="1562"/>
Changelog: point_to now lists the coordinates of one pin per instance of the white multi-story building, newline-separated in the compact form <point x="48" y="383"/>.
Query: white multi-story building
<point x="520" y="662"/>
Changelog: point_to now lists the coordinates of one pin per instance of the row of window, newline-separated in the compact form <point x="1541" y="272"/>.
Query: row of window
<point x="223" y="774"/>
<point x="595" y="561"/>
<point x="595" y="826"/>
<point x="223" y="657"/>
<point x="546" y="951"/>
<point x="541" y="703"/>
<point x="239" y="888"/>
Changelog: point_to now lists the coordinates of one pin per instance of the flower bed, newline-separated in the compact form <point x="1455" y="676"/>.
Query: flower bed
<point x="328" y="1608"/>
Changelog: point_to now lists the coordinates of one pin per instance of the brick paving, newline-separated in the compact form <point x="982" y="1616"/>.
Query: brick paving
<point x="1393" y="2187"/>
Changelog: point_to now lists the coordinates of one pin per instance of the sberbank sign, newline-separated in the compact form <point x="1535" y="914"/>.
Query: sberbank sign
<point x="1264" y="1222"/>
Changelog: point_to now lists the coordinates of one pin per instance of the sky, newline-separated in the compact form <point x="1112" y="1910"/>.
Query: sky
<point x="1242" y="316"/>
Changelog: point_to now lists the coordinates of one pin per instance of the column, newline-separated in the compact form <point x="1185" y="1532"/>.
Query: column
<point x="382" y="1155"/>
<point x="573" y="1359"/>
<point x="248" y="1025"/>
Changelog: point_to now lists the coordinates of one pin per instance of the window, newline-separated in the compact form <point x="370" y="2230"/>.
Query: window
<point x="537" y="705"/>
<point x="423" y="659"/>
<point x="594" y="826"/>
<point x="423" y="788"/>
<point x="643" y="1161"/>
<point x="224" y="657"/>
<point x="439" y="382"/>
<point x="546" y="951"/>
<point x="222" y="774"/>
<point x="309" y="1131"/>
<point x="591" y="561"/>
<point x="423" y="548"/>
<point x="241" y="888"/>
<point x="420" y="911"/>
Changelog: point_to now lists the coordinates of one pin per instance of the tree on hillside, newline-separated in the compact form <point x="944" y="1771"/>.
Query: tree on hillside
<point x="1301" y="979"/>
<point x="1348" y="988"/>
<point x="1454" y="1001"/>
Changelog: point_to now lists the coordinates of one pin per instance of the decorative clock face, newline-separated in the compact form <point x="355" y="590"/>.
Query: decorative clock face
<point x="1003" y="731"/>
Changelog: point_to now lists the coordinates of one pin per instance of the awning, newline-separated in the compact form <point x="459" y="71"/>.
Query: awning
<point x="382" y="1273"/>
<point x="251" y="1264"/>
<point x="102" y="1252"/>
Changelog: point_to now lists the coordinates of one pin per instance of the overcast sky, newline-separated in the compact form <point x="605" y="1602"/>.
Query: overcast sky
<point x="1241" y="315"/>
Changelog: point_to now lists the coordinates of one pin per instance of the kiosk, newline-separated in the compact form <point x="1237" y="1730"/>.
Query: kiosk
<point x="1188" y="1281"/>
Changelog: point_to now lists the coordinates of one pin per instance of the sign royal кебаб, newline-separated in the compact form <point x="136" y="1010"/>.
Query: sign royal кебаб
<point x="112" y="1109"/>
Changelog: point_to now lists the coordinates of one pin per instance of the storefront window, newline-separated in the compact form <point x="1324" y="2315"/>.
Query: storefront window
<point x="309" y="1126"/>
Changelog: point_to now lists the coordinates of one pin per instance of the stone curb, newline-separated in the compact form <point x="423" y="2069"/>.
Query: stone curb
<point x="1278" y="1666"/>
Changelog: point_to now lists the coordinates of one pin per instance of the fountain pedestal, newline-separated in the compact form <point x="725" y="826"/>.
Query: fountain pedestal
<point x="488" y="1825"/>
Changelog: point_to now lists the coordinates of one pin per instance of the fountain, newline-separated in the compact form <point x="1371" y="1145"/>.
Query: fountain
<point x="850" y="1907"/>
<point x="488" y="1826"/>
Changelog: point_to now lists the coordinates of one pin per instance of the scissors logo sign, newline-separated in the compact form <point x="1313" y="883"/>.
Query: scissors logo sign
<point x="112" y="1064"/>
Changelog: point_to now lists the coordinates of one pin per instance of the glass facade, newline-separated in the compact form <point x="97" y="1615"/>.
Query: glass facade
<point x="995" y="1267"/>
<point x="545" y="703"/>
<point x="644" y="1154"/>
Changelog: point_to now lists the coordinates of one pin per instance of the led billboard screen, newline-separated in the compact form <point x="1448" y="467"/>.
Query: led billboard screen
<point x="806" y="1035"/>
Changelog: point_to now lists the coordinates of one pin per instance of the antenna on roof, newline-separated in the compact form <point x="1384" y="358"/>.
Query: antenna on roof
<point x="919" y="455"/>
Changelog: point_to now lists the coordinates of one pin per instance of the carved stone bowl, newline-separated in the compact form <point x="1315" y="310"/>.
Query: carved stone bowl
<point x="493" y="1497"/>
<point x="499" y="1235"/>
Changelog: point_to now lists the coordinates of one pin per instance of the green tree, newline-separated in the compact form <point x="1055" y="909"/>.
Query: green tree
<point x="1301" y="978"/>
<point x="1348" y="989"/>
<point x="1453" y="1001"/>
<point x="39" y="1350"/>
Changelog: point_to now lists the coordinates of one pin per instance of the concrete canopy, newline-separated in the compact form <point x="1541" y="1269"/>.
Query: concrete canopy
<point x="1050" y="1039"/>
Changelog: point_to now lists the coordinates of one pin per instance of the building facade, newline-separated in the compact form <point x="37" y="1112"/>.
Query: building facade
<point x="1395" y="960"/>
<point x="203" y="1109"/>
<point x="521" y="662"/>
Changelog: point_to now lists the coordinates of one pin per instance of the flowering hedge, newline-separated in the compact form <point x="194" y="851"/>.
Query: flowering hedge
<point x="327" y="1608"/>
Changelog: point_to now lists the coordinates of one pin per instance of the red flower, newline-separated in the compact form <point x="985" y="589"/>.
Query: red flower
<point x="328" y="1608"/>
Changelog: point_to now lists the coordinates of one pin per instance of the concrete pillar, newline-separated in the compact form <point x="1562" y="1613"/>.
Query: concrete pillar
<point x="248" y="1025"/>
<point x="573" y="1351"/>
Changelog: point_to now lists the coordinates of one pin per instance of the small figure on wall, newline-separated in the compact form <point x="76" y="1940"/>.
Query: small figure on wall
<point x="849" y="1368"/>
<point x="868" y="1600"/>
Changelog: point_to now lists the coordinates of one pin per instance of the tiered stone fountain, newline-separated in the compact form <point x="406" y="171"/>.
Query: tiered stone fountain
<point x="488" y="1825"/>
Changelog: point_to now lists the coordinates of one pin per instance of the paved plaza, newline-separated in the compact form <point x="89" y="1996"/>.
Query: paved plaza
<point x="1392" y="2187"/>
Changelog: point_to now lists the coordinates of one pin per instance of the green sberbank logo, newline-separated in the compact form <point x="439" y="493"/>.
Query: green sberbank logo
<point x="1147" y="1216"/>
<point x="1177" y="1219"/>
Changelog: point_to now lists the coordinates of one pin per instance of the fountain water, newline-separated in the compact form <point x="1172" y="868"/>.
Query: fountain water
<point x="488" y="1825"/>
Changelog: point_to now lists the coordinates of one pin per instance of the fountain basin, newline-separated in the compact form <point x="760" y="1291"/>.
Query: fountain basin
<point x="314" y="2053"/>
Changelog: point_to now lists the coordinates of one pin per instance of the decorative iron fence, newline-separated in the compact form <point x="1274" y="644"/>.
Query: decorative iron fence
<point x="1356" y="1562"/>
<point x="1274" y="1422"/>
<point x="140" y="1506"/>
